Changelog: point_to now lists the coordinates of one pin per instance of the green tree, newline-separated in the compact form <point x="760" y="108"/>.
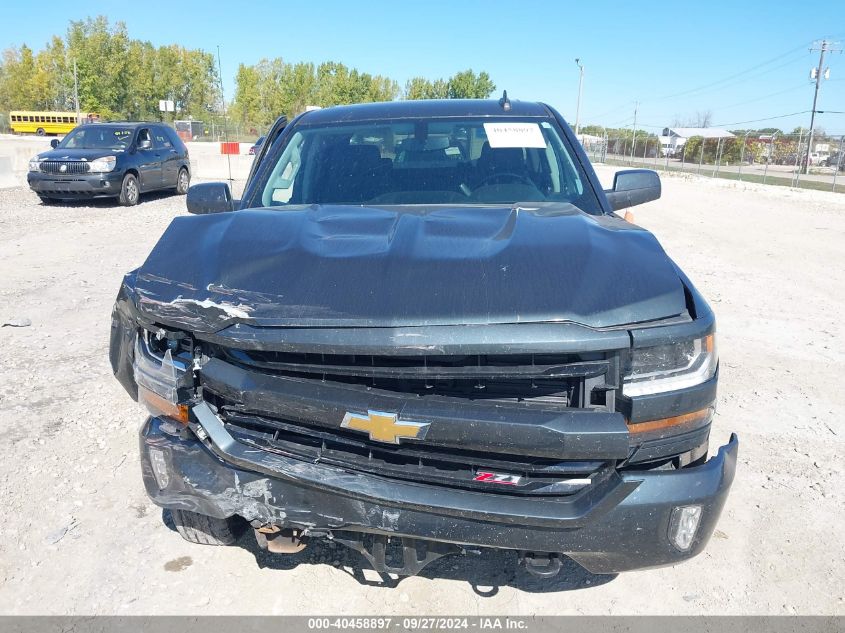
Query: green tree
<point x="467" y="85"/>
<point x="274" y="87"/>
<point x="463" y="85"/>
<point x="248" y="103"/>
<point x="118" y="76"/>
<point x="101" y="52"/>
<point x="421" y="88"/>
<point x="18" y="71"/>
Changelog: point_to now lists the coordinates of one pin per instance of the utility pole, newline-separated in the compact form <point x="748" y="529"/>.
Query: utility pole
<point x="634" y="140"/>
<point x="223" y="105"/>
<point x="823" y="47"/>
<point x="76" y="92"/>
<point x="580" y="86"/>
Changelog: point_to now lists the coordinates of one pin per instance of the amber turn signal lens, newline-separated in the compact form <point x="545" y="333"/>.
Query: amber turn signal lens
<point x="160" y="406"/>
<point x="664" y="423"/>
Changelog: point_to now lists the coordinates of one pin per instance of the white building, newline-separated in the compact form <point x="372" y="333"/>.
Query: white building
<point x="673" y="138"/>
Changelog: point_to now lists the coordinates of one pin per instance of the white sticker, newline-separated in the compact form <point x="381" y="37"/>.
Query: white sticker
<point x="514" y="135"/>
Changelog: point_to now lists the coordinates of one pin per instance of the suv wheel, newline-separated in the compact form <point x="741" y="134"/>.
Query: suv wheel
<point x="129" y="191"/>
<point x="183" y="181"/>
<point x="206" y="530"/>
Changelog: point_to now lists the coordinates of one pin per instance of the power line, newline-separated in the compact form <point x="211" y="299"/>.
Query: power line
<point x="739" y="74"/>
<point x="721" y="83"/>
<point x="616" y="109"/>
<point x="773" y="94"/>
<point x="771" y="118"/>
<point x="701" y="91"/>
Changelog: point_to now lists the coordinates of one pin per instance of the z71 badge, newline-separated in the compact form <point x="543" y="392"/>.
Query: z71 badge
<point x="497" y="478"/>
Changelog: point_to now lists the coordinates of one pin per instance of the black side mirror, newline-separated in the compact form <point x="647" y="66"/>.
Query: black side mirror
<point x="145" y="144"/>
<point x="54" y="143"/>
<point x="632" y="187"/>
<point x="209" y="197"/>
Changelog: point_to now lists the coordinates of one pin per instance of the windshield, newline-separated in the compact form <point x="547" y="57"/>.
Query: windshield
<point x="427" y="161"/>
<point x="98" y="137"/>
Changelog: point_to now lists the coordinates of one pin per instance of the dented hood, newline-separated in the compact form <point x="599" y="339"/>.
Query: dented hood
<point x="389" y="266"/>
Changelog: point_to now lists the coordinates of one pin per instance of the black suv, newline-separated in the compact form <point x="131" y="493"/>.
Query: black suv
<point x="425" y="330"/>
<point x="121" y="160"/>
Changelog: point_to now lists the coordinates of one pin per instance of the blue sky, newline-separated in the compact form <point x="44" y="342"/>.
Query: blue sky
<point x="741" y="60"/>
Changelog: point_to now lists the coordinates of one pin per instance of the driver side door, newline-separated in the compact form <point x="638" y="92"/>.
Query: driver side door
<point x="149" y="161"/>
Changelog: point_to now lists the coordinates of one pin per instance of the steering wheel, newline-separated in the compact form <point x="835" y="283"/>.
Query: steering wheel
<point x="506" y="174"/>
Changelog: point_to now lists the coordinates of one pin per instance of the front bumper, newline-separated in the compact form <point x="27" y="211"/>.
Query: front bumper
<point x="75" y="185"/>
<point x="618" y="525"/>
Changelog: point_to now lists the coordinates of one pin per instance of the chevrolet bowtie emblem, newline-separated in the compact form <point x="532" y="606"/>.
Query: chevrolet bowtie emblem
<point x="385" y="427"/>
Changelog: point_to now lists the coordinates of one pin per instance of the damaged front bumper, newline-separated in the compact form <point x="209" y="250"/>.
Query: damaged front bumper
<point x="620" y="524"/>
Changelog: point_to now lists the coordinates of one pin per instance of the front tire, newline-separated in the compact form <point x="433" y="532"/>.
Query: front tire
<point x="206" y="530"/>
<point x="129" y="191"/>
<point x="183" y="181"/>
<point x="40" y="132"/>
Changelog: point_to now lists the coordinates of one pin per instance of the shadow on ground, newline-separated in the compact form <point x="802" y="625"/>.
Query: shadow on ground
<point x="485" y="571"/>
<point x="87" y="203"/>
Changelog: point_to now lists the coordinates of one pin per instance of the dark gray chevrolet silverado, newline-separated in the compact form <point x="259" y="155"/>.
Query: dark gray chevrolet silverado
<point x="424" y="330"/>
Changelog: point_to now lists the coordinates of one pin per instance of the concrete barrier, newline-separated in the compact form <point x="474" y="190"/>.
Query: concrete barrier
<point x="7" y="177"/>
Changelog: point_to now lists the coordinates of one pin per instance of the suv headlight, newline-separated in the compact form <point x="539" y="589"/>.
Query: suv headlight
<point x="670" y="367"/>
<point x="104" y="164"/>
<point x="35" y="164"/>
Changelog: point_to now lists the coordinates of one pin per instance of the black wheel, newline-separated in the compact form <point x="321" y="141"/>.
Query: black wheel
<point x="183" y="181"/>
<point x="206" y="530"/>
<point x="40" y="131"/>
<point x="129" y="191"/>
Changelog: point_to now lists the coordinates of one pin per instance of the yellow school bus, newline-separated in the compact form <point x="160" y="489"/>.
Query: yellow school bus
<point x="42" y="123"/>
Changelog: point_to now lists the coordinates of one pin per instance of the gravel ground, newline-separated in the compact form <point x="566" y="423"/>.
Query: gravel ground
<point x="78" y="535"/>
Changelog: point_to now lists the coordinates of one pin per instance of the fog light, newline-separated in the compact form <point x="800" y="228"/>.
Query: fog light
<point x="159" y="467"/>
<point x="683" y="525"/>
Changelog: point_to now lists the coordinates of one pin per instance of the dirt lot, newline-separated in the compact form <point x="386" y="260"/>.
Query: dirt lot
<point x="78" y="535"/>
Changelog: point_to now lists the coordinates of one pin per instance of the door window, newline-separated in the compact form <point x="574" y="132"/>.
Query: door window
<point x="160" y="140"/>
<point x="144" y="135"/>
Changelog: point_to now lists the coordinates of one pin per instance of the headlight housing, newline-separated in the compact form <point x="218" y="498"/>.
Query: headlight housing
<point x="35" y="164"/>
<point x="104" y="164"/>
<point x="163" y="379"/>
<point x="670" y="367"/>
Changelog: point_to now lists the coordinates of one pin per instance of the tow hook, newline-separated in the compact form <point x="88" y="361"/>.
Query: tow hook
<point x="278" y="541"/>
<point x="541" y="564"/>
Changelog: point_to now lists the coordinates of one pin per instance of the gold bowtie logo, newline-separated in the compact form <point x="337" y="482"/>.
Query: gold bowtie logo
<point x="385" y="427"/>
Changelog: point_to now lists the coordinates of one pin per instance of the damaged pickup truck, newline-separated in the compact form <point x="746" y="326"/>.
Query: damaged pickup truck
<point x="423" y="330"/>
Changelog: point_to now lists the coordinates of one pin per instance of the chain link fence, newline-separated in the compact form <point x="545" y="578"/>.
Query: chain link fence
<point x="776" y="159"/>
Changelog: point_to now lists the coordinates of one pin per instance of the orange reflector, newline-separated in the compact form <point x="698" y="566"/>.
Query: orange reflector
<point x="709" y="341"/>
<point x="159" y="406"/>
<point x="678" y="420"/>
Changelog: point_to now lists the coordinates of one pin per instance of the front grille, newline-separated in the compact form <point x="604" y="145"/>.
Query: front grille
<point x="65" y="167"/>
<point x="562" y="380"/>
<point x="418" y="463"/>
<point x="544" y="382"/>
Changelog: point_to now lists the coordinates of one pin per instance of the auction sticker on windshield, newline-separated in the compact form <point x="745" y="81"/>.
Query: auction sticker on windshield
<point x="514" y="135"/>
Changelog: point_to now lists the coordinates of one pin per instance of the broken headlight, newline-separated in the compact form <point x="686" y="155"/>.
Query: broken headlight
<point x="164" y="377"/>
<point x="669" y="367"/>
